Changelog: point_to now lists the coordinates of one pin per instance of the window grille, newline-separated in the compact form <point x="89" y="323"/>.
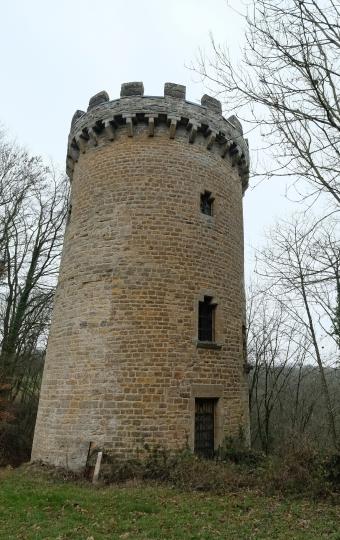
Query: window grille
<point x="205" y="427"/>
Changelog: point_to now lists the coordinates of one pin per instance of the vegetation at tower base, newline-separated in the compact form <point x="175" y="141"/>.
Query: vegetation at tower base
<point x="32" y="215"/>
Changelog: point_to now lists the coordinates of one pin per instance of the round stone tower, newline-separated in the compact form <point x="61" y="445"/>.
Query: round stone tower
<point x="147" y="336"/>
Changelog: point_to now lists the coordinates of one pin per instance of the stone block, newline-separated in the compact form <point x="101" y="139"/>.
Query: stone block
<point x="211" y="103"/>
<point x="174" y="90"/>
<point x="132" y="89"/>
<point x="98" y="99"/>
<point x="236" y="123"/>
<point x="76" y="116"/>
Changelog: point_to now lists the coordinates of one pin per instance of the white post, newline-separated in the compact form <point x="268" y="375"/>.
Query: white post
<point x="97" y="468"/>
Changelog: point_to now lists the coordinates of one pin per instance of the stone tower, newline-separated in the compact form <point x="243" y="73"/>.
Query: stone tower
<point x="146" y="342"/>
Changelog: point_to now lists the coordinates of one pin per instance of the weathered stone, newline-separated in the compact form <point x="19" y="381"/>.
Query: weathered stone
<point x="109" y="130"/>
<point x="211" y="103"/>
<point x="172" y="126"/>
<point x="132" y="89"/>
<point x="98" y="99"/>
<point x="236" y="123"/>
<point x="192" y="127"/>
<point x="164" y="110"/>
<point x="78" y="114"/>
<point x="211" y="139"/>
<point x="124" y="365"/>
<point x="151" y="127"/>
<point x="174" y="90"/>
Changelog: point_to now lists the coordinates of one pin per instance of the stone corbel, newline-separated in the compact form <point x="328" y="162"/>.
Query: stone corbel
<point x="172" y="126"/>
<point x="225" y="148"/>
<point x="151" y="124"/>
<point x="211" y="139"/>
<point x="192" y="126"/>
<point x="93" y="137"/>
<point x="109" y="130"/>
<point x="235" y="153"/>
<point x="242" y="162"/>
<point x="74" y="152"/>
<point x="81" y="141"/>
<point x="129" y="118"/>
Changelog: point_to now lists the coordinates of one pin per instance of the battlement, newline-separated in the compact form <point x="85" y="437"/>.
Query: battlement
<point x="104" y="117"/>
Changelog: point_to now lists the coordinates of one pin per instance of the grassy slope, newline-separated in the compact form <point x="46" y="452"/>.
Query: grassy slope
<point x="34" y="506"/>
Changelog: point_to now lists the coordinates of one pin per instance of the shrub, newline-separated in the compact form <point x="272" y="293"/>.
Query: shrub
<point x="181" y="469"/>
<point x="298" y="470"/>
<point x="236" y="451"/>
<point x="16" y="432"/>
<point x="332" y="470"/>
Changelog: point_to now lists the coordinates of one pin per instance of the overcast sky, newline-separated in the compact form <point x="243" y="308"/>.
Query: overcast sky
<point x="56" y="55"/>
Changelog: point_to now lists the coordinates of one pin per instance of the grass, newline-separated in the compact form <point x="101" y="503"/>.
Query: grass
<point x="36" y="506"/>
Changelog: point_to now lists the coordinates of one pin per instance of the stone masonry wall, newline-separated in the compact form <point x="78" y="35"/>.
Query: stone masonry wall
<point x="123" y="364"/>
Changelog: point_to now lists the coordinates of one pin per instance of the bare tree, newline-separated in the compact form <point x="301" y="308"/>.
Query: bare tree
<point x="325" y="254"/>
<point x="275" y="349"/>
<point x="299" y="274"/>
<point x="32" y="245"/>
<point x="288" y="83"/>
<point x="18" y="174"/>
<point x="33" y="202"/>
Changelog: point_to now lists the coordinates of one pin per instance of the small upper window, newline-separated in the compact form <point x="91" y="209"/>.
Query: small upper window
<point x="207" y="203"/>
<point x="206" y="316"/>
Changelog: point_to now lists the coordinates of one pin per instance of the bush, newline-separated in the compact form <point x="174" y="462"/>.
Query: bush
<point x="332" y="470"/>
<point x="235" y="450"/>
<point x="181" y="469"/>
<point x="298" y="471"/>
<point x="16" y="432"/>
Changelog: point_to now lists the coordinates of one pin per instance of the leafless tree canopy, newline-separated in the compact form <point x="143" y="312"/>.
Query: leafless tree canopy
<point x="288" y="82"/>
<point x="278" y="349"/>
<point x="33" y="203"/>
<point x="299" y="269"/>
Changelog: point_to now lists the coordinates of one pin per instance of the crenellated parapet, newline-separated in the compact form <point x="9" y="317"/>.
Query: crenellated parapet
<point x="104" y="117"/>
